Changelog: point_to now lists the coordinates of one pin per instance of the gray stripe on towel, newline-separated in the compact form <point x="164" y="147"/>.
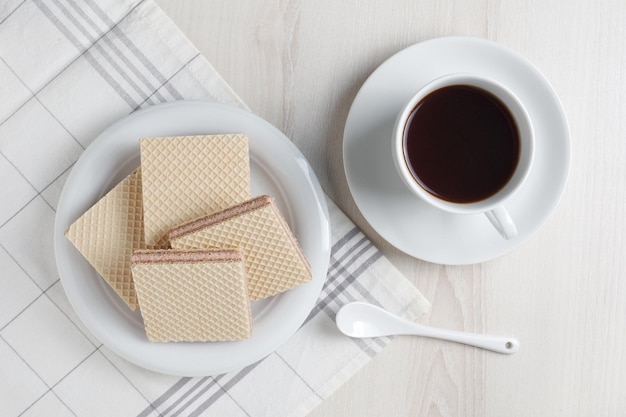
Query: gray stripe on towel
<point x="92" y="61"/>
<point x="148" y="65"/>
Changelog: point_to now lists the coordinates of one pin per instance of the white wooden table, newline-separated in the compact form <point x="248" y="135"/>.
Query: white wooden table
<point x="300" y="64"/>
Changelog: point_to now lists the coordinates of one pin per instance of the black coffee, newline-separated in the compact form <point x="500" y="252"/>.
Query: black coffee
<point x="461" y="144"/>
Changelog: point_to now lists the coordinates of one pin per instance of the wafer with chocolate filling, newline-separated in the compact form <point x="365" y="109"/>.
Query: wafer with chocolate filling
<point x="192" y="296"/>
<point x="274" y="260"/>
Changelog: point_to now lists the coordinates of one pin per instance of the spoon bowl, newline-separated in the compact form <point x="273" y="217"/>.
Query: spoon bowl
<point x="362" y="320"/>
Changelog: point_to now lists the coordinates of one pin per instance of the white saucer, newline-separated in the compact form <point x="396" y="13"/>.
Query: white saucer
<point x="398" y="215"/>
<point x="277" y="168"/>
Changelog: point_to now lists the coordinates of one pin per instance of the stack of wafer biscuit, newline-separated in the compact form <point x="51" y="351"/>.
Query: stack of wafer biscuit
<point x="182" y="239"/>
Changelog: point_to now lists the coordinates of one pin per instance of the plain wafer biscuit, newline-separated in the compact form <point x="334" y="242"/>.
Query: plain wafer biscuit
<point x="185" y="177"/>
<point x="108" y="233"/>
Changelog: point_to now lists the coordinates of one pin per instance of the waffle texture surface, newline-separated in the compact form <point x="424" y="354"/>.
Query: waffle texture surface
<point x="186" y="177"/>
<point x="108" y="233"/>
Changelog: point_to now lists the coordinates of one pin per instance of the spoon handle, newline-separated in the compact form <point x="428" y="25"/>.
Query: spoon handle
<point x="500" y="344"/>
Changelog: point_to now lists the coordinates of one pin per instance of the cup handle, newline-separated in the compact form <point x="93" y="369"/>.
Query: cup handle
<point x="501" y="220"/>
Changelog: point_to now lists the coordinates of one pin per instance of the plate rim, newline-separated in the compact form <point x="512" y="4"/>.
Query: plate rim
<point x="322" y="220"/>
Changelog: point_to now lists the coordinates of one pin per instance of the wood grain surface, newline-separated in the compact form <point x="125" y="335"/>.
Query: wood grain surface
<point x="299" y="64"/>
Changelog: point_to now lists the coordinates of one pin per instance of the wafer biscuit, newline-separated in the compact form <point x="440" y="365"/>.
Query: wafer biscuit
<point x="108" y="233"/>
<point x="186" y="177"/>
<point x="193" y="295"/>
<point x="274" y="261"/>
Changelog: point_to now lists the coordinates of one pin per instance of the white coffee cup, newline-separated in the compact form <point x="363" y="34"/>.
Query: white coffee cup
<point x="493" y="205"/>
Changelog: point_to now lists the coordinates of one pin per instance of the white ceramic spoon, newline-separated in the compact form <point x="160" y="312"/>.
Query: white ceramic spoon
<point x="367" y="320"/>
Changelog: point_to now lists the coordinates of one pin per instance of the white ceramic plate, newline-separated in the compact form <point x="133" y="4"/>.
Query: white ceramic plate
<point x="277" y="168"/>
<point x="399" y="216"/>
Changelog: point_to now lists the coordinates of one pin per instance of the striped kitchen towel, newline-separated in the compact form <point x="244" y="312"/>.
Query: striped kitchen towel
<point x="68" y="69"/>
